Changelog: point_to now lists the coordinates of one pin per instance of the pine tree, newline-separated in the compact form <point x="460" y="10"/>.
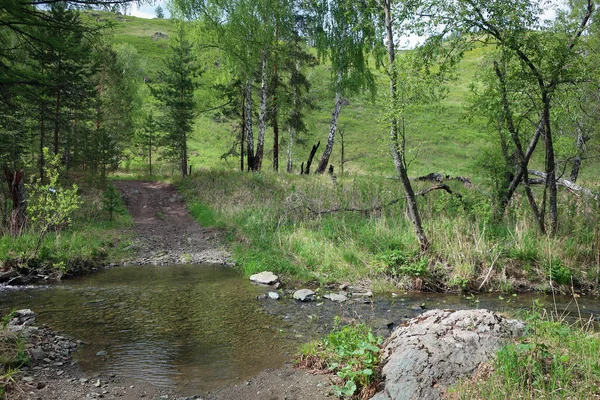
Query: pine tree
<point x="176" y="95"/>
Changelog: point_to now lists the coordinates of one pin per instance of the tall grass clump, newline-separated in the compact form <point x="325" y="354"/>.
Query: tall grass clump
<point x="13" y="354"/>
<point x="554" y="360"/>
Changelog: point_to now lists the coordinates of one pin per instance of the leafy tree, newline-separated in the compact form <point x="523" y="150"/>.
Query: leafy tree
<point x="149" y="137"/>
<point x="247" y="33"/>
<point x="50" y="206"/>
<point x="159" y="12"/>
<point x="119" y="80"/>
<point x="549" y="55"/>
<point x="176" y="95"/>
<point x="344" y="32"/>
<point x="411" y="83"/>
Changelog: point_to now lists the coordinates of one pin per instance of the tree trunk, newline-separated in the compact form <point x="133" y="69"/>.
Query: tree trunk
<point x="275" y="140"/>
<point x="581" y="139"/>
<point x="42" y="140"/>
<point x="184" y="163"/>
<point x="550" y="166"/>
<point x="310" y="157"/>
<point x="523" y="158"/>
<point x="16" y="188"/>
<point x="57" y="123"/>
<point x="249" y="134"/>
<point x="397" y="146"/>
<point x="275" y="109"/>
<point x="289" y="150"/>
<point x="262" y="115"/>
<point x="292" y="128"/>
<point x="242" y="131"/>
<point x="150" y="154"/>
<point x="331" y="138"/>
<point x="343" y="155"/>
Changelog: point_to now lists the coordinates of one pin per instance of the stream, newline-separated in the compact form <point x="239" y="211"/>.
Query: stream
<point x="195" y="328"/>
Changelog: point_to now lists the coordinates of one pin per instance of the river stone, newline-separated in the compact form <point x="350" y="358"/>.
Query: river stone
<point x="304" y="295"/>
<point x="37" y="353"/>
<point x="265" y="278"/>
<point x="429" y="353"/>
<point x="274" y="295"/>
<point x="336" y="297"/>
<point x="22" y="319"/>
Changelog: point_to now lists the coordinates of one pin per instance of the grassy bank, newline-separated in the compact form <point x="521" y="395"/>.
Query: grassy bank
<point x="289" y="224"/>
<point x="92" y="240"/>
<point x="554" y="360"/>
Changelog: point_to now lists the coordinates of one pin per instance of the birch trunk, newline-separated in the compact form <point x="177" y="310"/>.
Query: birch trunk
<point x="398" y="144"/>
<point x="249" y="134"/>
<point x="262" y="116"/>
<point x="331" y="138"/>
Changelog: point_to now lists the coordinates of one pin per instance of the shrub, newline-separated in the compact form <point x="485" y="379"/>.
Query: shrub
<point x="352" y="352"/>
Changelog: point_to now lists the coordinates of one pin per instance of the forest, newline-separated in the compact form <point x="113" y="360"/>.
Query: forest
<point x="430" y="145"/>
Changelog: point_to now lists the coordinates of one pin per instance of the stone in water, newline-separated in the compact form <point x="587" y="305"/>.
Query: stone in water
<point x="264" y="278"/>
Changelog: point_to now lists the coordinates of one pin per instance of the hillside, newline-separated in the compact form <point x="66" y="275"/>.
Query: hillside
<point x="440" y="138"/>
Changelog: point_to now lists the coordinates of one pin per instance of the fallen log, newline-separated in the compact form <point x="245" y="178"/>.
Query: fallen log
<point x="437" y="177"/>
<point x="572" y="187"/>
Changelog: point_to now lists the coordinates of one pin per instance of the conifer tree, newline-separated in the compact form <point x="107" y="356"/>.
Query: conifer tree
<point x="176" y="95"/>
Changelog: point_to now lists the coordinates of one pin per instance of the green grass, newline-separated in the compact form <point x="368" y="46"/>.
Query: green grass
<point x="273" y="223"/>
<point x="13" y="354"/>
<point x="91" y="241"/>
<point x="554" y="360"/>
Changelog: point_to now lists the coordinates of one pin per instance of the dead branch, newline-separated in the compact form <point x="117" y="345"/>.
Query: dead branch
<point x="381" y="206"/>
<point x="437" y="187"/>
<point x="437" y="177"/>
<point x="572" y="187"/>
<point x="352" y="209"/>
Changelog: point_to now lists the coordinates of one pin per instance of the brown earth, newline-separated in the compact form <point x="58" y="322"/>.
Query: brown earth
<point x="166" y="234"/>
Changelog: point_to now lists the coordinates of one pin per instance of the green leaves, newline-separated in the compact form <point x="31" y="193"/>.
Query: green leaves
<point x="352" y="352"/>
<point x="49" y="204"/>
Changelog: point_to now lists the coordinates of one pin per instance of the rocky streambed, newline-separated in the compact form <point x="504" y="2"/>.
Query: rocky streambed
<point x="421" y="359"/>
<point x="52" y="373"/>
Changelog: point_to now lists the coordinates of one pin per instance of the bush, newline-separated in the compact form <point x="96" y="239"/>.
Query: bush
<point x="400" y="264"/>
<point x="352" y="352"/>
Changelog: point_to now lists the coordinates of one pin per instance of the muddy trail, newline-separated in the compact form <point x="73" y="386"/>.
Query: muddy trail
<point x="165" y="231"/>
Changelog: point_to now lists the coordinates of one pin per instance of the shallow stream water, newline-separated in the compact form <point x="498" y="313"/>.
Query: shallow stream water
<point x="195" y="328"/>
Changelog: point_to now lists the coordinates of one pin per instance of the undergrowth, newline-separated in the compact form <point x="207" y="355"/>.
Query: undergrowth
<point x="95" y="236"/>
<point x="352" y="353"/>
<point x="554" y="360"/>
<point x="297" y="225"/>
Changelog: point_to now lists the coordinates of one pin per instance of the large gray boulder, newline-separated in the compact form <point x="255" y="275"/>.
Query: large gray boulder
<point x="430" y="352"/>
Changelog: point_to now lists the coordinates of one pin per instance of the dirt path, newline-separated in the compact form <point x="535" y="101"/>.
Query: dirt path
<point x="166" y="233"/>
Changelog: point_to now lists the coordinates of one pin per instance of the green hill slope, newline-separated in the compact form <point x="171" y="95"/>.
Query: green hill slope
<point x="440" y="138"/>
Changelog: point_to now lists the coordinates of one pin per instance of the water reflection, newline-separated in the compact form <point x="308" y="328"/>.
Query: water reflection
<point x="190" y="327"/>
<point x="197" y="328"/>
